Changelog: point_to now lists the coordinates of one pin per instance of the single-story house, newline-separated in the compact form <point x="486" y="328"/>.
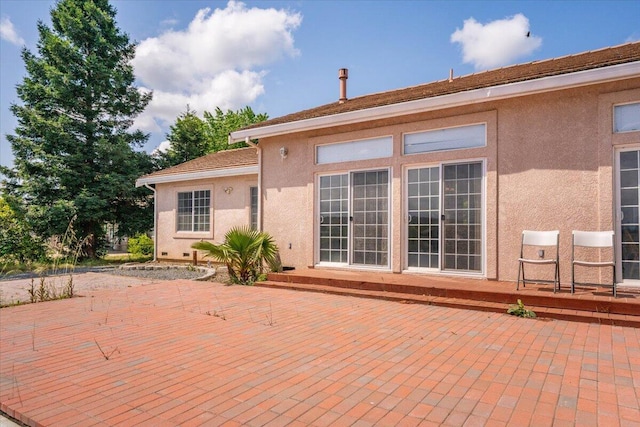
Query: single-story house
<point x="201" y="199"/>
<point x="439" y="178"/>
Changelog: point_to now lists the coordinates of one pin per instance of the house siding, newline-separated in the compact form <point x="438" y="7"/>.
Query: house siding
<point x="226" y="211"/>
<point x="549" y="165"/>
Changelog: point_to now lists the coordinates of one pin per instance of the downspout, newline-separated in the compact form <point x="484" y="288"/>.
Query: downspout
<point x="155" y="222"/>
<point x="247" y="141"/>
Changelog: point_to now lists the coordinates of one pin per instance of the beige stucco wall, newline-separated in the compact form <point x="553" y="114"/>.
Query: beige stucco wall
<point x="548" y="159"/>
<point x="227" y="210"/>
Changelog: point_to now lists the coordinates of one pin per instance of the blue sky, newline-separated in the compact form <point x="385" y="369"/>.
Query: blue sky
<point x="281" y="57"/>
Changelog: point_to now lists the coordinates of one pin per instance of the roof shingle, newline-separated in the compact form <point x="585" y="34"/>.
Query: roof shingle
<point x="610" y="56"/>
<point x="220" y="160"/>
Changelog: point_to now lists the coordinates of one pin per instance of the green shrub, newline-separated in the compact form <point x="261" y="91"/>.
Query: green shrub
<point x="140" y="244"/>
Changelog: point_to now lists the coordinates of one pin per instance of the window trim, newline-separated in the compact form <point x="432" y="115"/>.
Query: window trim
<point x="387" y="139"/>
<point x="349" y="265"/>
<point x="253" y="210"/>
<point x="484" y="124"/>
<point x="192" y="231"/>
<point x="613" y="116"/>
<point x="483" y="222"/>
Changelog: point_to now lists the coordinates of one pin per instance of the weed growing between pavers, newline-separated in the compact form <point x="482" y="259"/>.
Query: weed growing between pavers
<point x="520" y="310"/>
<point x="104" y="354"/>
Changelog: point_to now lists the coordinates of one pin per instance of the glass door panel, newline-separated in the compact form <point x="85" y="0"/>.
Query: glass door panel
<point x="370" y="215"/>
<point x="334" y="218"/>
<point x="423" y="250"/>
<point x="462" y="190"/>
<point x="629" y="233"/>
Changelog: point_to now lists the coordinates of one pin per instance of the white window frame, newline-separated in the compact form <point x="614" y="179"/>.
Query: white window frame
<point x="253" y="212"/>
<point x="349" y="151"/>
<point x="618" y="218"/>
<point x="349" y="264"/>
<point x="405" y="216"/>
<point x="194" y="215"/>
<point x="434" y="144"/>
<point x="634" y="106"/>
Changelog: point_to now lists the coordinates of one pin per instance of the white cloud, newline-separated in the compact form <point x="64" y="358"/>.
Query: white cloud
<point x="9" y="33"/>
<point x="229" y="90"/>
<point x="217" y="61"/>
<point x="496" y="43"/>
<point x="162" y="148"/>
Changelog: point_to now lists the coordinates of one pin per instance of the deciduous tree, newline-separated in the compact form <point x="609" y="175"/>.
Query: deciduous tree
<point x="220" y="124"/>
<point x="187" y="138"/>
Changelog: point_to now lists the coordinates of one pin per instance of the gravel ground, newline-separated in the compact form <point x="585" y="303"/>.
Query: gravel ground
<point x="169" y="274"/>
<point x="14" y="289"/>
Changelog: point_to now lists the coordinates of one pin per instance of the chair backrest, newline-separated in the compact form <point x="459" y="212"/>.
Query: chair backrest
<point x="540" y="238"/>
<point x="593" y="239"/>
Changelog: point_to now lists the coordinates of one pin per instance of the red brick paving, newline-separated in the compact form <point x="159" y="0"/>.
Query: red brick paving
<point x="190" y="353"/>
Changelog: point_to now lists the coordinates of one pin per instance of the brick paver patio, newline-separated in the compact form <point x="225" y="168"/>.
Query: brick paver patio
<point x="189" y="353"/>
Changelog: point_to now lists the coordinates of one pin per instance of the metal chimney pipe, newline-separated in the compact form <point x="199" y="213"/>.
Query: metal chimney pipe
<point x="343" y="75"/>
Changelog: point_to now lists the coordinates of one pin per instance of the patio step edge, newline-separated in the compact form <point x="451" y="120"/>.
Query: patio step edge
<point x="463" y="303"/>
<point x="557" y="301"/>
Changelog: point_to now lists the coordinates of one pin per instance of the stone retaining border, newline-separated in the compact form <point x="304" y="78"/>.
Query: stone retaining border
<point x="208" y="273"/>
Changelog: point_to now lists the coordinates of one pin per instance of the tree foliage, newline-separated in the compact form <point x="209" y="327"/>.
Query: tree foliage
<point x="140" y="244"/>
<point x="191" y="137"/>
<point x="75" y="154"/>
<point x="17" y="242"/>
<point x="187" y="138"/>
<point x="220" y="124"/>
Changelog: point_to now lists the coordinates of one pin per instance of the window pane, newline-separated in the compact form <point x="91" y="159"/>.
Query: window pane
<point x="185" y="211"/>
<point x="423" y="249"/>
<point x="626" y="118"/>
<point x="253" y="222"/>
<point x="193" y="210"/>
<point x="201" y="205"/>
<point x="446" y="139"/>
<point x="355" y="150"/>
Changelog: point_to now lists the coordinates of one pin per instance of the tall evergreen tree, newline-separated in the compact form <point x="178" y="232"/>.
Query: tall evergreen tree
<point x="74" y="150"/>
<point x="187" y="138"/>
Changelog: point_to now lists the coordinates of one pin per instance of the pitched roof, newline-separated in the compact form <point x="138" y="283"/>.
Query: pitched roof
<point x="222" y="161"/>
<point x="610" y="56"/>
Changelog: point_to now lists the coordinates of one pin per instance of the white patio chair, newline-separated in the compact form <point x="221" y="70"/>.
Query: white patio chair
<point x="597" y="240"/>
<point x="539" y="240"/>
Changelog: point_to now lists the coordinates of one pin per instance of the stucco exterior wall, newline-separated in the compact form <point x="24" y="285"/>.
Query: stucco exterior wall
<point x="548" y="162"/>
<point x="227" y="210"/>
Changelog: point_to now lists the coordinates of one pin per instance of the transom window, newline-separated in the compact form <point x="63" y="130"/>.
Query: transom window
<point x="626" y="118"/>
<point x="193" y="210"/>
<point x="446" y="139"/>
<point x="376" y="148"/>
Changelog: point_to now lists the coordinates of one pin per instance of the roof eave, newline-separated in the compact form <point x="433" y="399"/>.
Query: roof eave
<point x="510" y="90"/>
<point x="191" y="176"/>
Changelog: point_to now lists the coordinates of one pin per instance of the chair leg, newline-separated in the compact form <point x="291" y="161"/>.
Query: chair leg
<point x="519" y="270"/>
<point x="556" y="281"/>
<point x="573" y="283"/>
<point x="615" y="294"/>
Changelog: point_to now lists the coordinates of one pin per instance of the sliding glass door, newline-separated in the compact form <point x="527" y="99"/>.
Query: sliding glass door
<point x="354" y="218"/>
<point x="444" y="223"/>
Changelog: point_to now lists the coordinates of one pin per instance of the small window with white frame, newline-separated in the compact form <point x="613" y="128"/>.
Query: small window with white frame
<point x="193" y="213"/>
<point x="366" y="149"/>
<point x="454" y="138"/>
<point x="626" y="118"/>
<point x="253" y="208"/>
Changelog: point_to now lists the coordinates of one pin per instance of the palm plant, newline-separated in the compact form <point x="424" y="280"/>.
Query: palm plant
<point x="244" y="251"/>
